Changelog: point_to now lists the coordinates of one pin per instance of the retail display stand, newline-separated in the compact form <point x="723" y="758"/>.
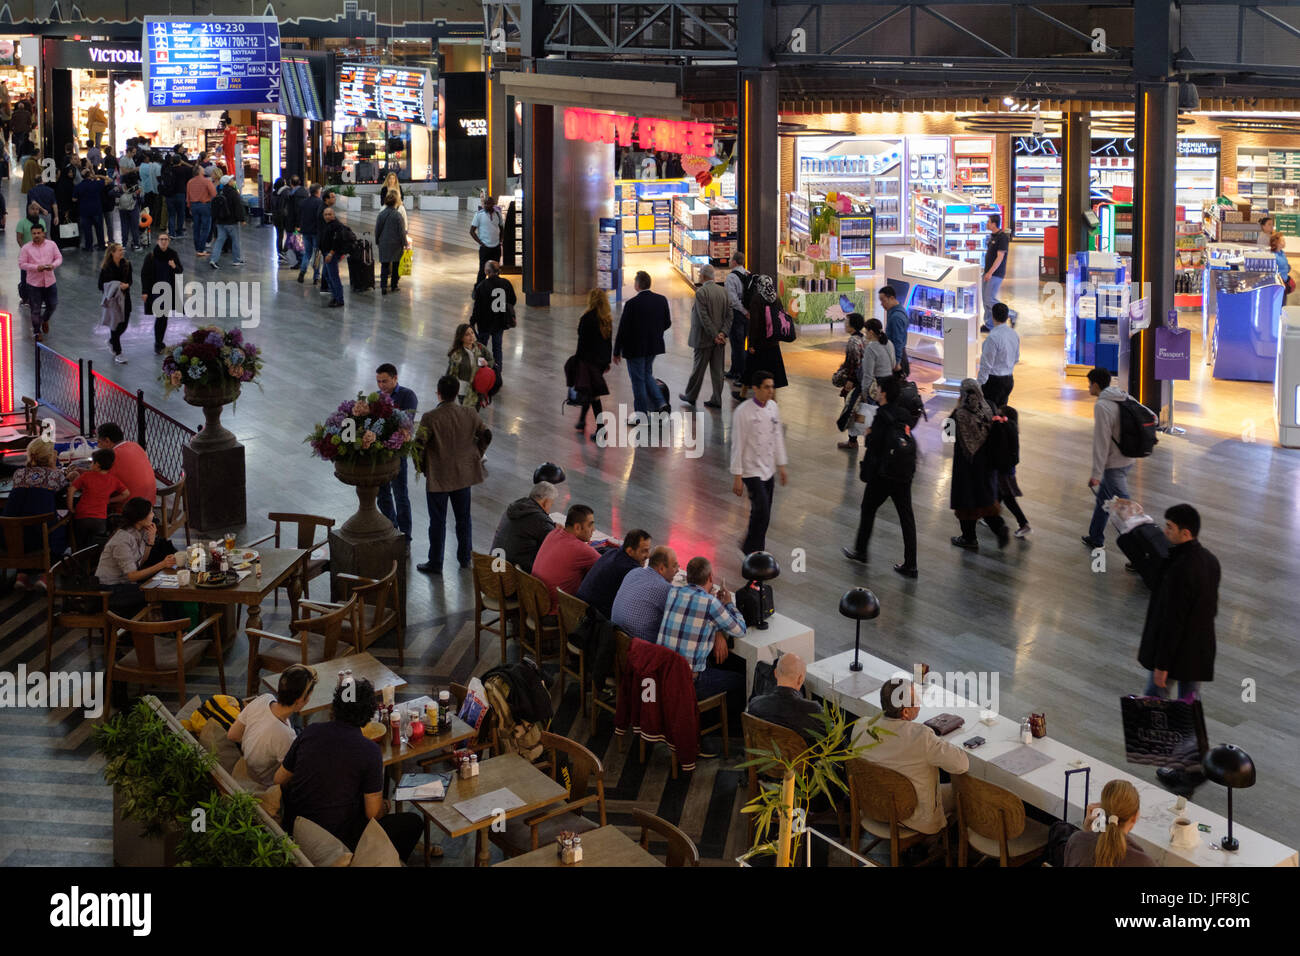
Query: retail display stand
<point x="973" y="168"/>
<point x="1116" y="230"/>
<point x="868" y="167"/>
<point x="645" y="208"/>
<point x="512" y="236"/>
<point x="817" y="283"/>
<point x="609" y="257"/>
<point x="1097" y="311"/>
<point x="951" y="226"/>
<point x="1270" y="179"/>
<point x="1219" y="256"/>
<point x="942" y="299"/>
<point x="856" y="230"/>
<point x="1189" y="256"/>
<point x="704" y="231"/>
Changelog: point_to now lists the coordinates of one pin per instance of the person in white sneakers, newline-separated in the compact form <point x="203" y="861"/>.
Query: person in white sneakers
<point x="757" y="457"/>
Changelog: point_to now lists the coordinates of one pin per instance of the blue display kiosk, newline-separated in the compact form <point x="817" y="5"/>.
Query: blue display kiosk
<point x="1097" y="310"/>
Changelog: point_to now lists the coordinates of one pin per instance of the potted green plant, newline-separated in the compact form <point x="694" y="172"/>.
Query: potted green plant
<point x="781" y="810"/>
<point x="233" y="835"/>
<point x="157" y="777"/>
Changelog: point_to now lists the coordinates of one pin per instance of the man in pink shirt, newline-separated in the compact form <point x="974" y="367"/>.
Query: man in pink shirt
<point x="131" y="463"/>
<point x="39" y="258"/>
<point x="565" y="556"/>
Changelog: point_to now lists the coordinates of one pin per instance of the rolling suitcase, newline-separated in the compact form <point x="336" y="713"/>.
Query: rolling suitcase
<point x="361" y="266"/>
<point x="1146" y="547"/>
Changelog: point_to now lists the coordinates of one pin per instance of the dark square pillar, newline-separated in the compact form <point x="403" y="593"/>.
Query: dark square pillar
<point x="1154" y="207"/>
<point x="1076" y="196"/>
<point x="539" y="203"/>
<point x="759" y="183"/>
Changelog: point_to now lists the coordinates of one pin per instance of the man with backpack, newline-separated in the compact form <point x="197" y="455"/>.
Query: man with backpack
<point x="737" y="285"/>
<point x="888" y="469"/>
<point x="1122" y="431"/>
<point x="336" y="242"/>
<point x="228" y="214"/>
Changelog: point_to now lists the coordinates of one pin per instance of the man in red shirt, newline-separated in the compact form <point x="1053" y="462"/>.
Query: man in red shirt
<point x="565" y="556"/>
<point x="131" y="465"/>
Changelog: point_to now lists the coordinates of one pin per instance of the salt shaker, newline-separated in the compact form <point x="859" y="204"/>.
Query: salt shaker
<point x="473" y="765"/>
<point x="1026" y="734"/>
<point x="577" y="849"/>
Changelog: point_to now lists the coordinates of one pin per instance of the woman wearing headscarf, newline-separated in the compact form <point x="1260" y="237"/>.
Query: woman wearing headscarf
<point x="974" y="490"/>
<point x="764" y="352"/>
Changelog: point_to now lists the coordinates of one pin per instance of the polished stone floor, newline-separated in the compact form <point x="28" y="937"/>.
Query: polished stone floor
<point x="1062" y="638"/>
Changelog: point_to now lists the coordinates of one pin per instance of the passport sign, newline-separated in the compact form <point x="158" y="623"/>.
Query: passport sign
<point x="215" y="63"/>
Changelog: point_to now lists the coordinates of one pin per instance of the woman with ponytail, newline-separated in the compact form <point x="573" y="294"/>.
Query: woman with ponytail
<point x="1103" y="841"/>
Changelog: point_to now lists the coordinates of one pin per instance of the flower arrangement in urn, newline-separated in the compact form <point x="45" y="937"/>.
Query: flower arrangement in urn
<point x="366" y="429"/>
<point x="211" y="357"/>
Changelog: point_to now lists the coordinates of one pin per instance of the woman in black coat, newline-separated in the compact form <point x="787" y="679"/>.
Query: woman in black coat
<point x="162" y="264"/>
<point x="974" y="492"/>
<point x="763" y="353"/>
<point x="116" y="267"/>
<point x="591" y="361"/>
<point x="63" y="188"/>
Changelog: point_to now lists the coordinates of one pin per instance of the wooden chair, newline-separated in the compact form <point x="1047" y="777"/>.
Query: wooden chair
<point x="13" y="550"/>
<point x="880" y="800"/>
<point x="681" y="848"/>
<point x="992" y="820"/>
<point x="75" y="607"/>
<point x="764" y="735"/>
<point x="315" y="639"/>
<point x="305" y="539"/>
<point x="585" y="769"/>
<point x="624" y="644"/>
<point x="495" y="591"/>
<point x="534" y="602"/>
<point x="161" y="652"/>
<point x="173" y="509"/>
<point x="378" y="607"/>
<point x="571" y="612"/>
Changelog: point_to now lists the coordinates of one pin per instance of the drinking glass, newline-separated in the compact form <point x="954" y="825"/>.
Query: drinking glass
<point x="230" y="541"/>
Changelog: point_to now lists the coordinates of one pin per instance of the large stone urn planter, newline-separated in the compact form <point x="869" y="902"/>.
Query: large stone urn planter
<point x="212" y="398"/>
<point x="367" y="544"/>
<point x="216" y="485"/>
<point x="366" y="477"/>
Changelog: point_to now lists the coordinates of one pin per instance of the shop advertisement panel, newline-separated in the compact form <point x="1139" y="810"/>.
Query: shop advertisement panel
<point x="1036" y="177"/>
<point x="218" y="63"/>
<point x="391" y="93"/>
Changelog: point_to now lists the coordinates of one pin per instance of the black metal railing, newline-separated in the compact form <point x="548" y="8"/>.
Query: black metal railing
<point x="58" y="384"/>
<point x="87" y="399"/>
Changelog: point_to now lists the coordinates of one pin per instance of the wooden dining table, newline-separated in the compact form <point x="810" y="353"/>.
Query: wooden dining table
<point x="509" y="771"/>
<point x="281" y="567"/>
<point x="605" y="846"/>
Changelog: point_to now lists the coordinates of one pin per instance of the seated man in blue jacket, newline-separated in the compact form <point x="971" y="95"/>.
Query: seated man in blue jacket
<point x="600" y="586"/>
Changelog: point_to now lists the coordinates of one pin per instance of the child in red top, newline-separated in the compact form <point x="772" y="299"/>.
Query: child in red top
<point x="98" y="490"/>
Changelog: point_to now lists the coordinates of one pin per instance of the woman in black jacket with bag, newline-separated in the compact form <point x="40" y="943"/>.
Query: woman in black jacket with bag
<point x="764" y="351"/>
<point x="591" y="361"/>
<point x="116" y="267"/>
<point x="974" y="493"/>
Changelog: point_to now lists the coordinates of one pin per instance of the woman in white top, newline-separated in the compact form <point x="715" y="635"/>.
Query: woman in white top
<point x="877" y="357"/>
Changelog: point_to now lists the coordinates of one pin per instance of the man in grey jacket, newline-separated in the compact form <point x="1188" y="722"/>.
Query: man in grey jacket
<point x="710" y="322"/>
<point x="525" y="525"/>
<point x="1110" y="467"/>
<point x="737" y="280"/>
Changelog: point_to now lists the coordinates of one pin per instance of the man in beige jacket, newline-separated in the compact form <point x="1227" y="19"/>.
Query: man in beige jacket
<point x="449" y="448"/>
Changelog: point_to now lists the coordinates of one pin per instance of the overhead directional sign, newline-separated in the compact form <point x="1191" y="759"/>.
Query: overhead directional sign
<point x="216" y="63"/>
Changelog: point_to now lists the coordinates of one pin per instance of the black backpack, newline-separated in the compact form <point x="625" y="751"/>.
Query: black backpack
<point x="1137" y="429"/>
<point x="898" y="459"/>
<point x="220" y="206"/>
<point x="347" y="242"/>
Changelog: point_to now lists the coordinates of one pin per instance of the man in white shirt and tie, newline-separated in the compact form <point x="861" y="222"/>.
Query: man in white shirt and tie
<point x="757" y="455"/>
<point x="998" y="359"/>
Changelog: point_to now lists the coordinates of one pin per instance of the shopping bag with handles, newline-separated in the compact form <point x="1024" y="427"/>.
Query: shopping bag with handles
<point x="404" y="264"/>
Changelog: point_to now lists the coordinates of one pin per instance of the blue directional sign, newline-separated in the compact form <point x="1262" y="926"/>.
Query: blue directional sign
<point x="216" y="63"/>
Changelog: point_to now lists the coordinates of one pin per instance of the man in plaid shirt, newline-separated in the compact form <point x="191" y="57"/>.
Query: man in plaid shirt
<point x="700" y="626"/>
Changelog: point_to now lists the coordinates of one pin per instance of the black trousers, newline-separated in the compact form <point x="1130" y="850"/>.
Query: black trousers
<point x="760" y="513"/>
<point x="877" y="492"/>
<point x="997" y="390"/>
<point x="1014" y="508"/>
<point x="995" y="523"/>
<point x="739" y="329"/>
<point x="486" y="254"/>
<point x="404" y="830"/>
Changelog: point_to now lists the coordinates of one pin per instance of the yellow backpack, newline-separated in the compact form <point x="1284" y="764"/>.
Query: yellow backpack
<point x="220" y="707"/>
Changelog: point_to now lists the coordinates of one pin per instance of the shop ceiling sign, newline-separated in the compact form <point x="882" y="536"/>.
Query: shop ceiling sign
<point x="211" y="63"/>
<point x="95" y="55"/>
<point x="1112" y="146"/>
<point x="645" y="132"/>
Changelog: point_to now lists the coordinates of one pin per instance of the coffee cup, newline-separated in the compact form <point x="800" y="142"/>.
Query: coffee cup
<point x="183" y="578"/>
<point x="1183" y="833"/>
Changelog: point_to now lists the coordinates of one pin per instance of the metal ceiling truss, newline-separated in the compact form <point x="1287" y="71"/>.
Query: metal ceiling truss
<point x="699" y="31"/>
<point x="924" y="34"/>
<point x="502" y="26"/>
<point x="1252" y="30"/>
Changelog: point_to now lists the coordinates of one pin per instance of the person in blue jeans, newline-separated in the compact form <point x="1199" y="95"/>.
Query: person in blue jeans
<point x="639" y="339"/>
<point x="394" y="499"/>
<point x="1110" y="466"/>
<point x="995" y="268"/>
<point x="332" y="252"/>
<point x="228" y="212"/>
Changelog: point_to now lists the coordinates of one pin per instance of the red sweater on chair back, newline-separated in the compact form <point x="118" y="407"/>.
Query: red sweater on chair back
<point x="657" y="700"/>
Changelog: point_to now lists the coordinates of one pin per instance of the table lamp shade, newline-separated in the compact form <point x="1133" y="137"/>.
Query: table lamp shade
<point x="859" y="604"/>
<point x="1229" y="766"/>
<point x="549" y="471"/>
<point x="759" y="566"/>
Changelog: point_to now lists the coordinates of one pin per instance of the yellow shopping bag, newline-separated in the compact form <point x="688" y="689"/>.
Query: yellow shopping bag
<point x="404" y="266"/>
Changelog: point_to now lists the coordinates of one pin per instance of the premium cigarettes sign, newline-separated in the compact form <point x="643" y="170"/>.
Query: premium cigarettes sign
<point x="673" y="136"/>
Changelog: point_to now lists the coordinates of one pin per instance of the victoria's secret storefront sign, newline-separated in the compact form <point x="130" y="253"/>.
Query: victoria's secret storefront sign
<point x="672" y="136"/>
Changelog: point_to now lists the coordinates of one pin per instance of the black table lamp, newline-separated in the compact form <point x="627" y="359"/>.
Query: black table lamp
<point x="755" y="601"/>
<point x="549" y="471"/>
<point x="861" y="605"/>
<point x="1229" y="767"/>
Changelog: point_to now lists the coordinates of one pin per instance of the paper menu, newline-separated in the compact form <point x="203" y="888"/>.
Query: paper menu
<point x="488" y="804"/>
<point x="1021" y="760"/>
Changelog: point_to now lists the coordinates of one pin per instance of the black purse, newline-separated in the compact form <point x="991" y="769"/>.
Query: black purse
<point x="1161" y="732"/>
<point x="845" y="418"/>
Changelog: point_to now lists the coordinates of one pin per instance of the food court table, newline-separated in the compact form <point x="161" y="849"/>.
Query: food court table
<point x="604" y="846"/>
<point x="427" y="745"/>
<point x="509" y="771"/>
<point x="281" y="567"/>
<point x="327" y="679"/>
<point x="1044" y="787"/>
<point x="782" y="634"/>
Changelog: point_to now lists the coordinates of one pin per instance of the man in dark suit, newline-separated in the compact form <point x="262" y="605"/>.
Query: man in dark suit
<point x="786" y="706"/>
<point x="639" y="339"/>
<point x="1178" y="640"/>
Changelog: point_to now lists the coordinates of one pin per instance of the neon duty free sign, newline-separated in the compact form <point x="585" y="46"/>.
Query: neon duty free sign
<point x="214" y="63"/>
